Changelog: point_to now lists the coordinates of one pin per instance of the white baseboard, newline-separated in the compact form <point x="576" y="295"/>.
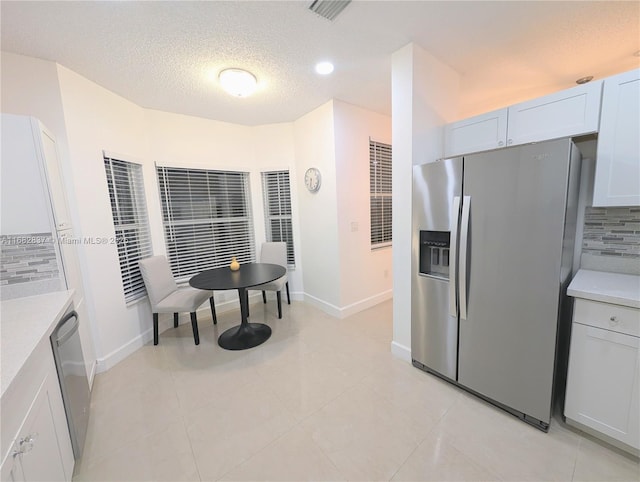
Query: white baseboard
<point x="112" y="359"/>
<point x="362" y="305"/>
<point x="401" y="351"/>
<point x="351" y="309"/>
<point x="323" y="305"/>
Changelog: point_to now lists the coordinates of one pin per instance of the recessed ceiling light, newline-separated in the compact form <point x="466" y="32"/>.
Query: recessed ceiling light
<point x="324" y="68"/>
<point x="238" y="82"/>
<point x="584" y="80"/>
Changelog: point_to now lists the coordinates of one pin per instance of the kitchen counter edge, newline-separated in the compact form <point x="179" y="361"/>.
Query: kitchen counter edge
<point x="616" y="288"/>
<point x="24" y="323"/>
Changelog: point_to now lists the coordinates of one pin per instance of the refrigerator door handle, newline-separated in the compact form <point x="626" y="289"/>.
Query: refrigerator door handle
<point x="464" y="235"/>
<point x="453" y="257"/>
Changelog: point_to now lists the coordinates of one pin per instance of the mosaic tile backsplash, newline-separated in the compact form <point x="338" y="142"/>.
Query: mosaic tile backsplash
<point x="611" y="239"/>
<point x="26" y="258"/>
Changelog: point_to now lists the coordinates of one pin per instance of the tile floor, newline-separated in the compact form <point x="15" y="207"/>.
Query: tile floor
<point x="322" y="399"/>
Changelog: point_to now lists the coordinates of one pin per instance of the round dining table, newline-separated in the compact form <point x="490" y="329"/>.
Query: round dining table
<point x="245" y="335"/>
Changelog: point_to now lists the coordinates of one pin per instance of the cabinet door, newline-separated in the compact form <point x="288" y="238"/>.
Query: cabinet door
<point x="53" y="175"/>
<point x="24" y="203"/>
<point x="480" y="133"/>
<point x="617" y="179"/>
<point x="602" y="382"/>
<point x="567" y="113"/>
<point x="40" y="457"/>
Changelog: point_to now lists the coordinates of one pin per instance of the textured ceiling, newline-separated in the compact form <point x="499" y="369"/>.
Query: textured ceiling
<point x="161" y="54"/>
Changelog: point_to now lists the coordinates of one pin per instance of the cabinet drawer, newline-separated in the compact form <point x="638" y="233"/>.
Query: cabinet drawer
<point x="607" y="316"/>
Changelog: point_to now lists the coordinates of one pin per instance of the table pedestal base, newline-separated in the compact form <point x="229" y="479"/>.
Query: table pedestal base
<point x="246" y="335"/>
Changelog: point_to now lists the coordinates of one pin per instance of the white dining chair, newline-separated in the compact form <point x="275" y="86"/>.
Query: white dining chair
<point x="166" y="297"/>
<point x="274" y="253"/>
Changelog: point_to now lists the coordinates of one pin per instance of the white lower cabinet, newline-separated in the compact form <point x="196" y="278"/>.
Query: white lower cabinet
<point x="36" y="442"/>
<point x="604" y="366"/>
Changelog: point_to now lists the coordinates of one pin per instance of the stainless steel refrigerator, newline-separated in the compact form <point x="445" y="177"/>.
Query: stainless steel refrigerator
<point x="492" y="253"/>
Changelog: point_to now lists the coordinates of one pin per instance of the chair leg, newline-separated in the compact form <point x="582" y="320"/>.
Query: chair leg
<point x="246" y="301"/>
<point x="194" y="325"/>
<point x="279" y="304"/>
<point x="213" y="311"/>
<point x="264" y="297"/>
<point x="288" y="297"/>
<point x="155" y="328"/>
<point x="175" y="320"/>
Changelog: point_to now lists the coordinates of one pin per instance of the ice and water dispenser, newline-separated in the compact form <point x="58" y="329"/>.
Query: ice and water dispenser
<point x="434" y="253"/>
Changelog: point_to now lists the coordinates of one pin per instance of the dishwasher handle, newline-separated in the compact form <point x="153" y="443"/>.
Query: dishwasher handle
<point x="60" y="339"/>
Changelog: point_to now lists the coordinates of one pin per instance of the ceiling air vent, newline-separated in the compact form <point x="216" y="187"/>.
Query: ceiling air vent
<point x="329" y="9"/>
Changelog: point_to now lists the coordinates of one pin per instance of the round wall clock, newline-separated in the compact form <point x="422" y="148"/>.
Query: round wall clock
<point x="312" y="179"/>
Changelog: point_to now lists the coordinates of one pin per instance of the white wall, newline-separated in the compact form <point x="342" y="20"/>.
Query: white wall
<point x="314" y="147"/>
<point x="424" y="98"/>
<point x="365" y="274"/>
<point x="178" y="140"/>
<point x="98" y="119"/>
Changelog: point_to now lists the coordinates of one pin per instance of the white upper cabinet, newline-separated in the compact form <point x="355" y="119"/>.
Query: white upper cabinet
<point x="617" y="178"/>
<point x="480" y="133"/>
<point x="571" y="112"/>
<point x="24" y="202"/>
<point x="32" y="186"/>
<point x="53" y="175"/>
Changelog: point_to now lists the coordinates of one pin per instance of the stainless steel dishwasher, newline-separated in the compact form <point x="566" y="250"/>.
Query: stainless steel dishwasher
<point x="74" y="385"/>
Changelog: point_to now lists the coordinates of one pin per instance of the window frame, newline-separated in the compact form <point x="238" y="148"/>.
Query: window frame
<point x="380" y="192"/>
<point x="130" y="250"/>
<point x="198" y="238"/>
<point x="283" y="203"/>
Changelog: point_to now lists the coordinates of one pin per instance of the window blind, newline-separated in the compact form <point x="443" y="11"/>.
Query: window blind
<point x="380" y="187"/>
<point x="277" y="210"/>
<point x="131" y="222"/>
<point x="207" y="219"/>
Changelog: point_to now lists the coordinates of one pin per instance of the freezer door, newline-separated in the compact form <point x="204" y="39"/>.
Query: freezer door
<point x="434" y="328"/>
<point x="514" y="248"/>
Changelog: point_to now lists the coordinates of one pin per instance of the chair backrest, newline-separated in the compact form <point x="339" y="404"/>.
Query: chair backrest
<point x="158" y="278"/>
<point x="274" y="253"/>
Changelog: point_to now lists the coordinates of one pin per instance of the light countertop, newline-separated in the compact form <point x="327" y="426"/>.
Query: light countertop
<point x="616" y="288"/>
<point x="24" y="323"/>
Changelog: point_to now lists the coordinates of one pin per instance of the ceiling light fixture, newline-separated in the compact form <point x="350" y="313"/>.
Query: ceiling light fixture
<point x="238" y="82"/>
<point x="324" y="68"/>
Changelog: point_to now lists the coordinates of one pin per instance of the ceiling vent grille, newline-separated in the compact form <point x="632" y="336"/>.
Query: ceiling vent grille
<point x="329" y="9"/>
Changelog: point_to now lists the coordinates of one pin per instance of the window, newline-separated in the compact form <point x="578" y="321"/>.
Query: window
<point x="130" y="220"/>
<point x="206" y="217"/>
<point x="380" y="186"/>
<point x="277" y="209"/>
